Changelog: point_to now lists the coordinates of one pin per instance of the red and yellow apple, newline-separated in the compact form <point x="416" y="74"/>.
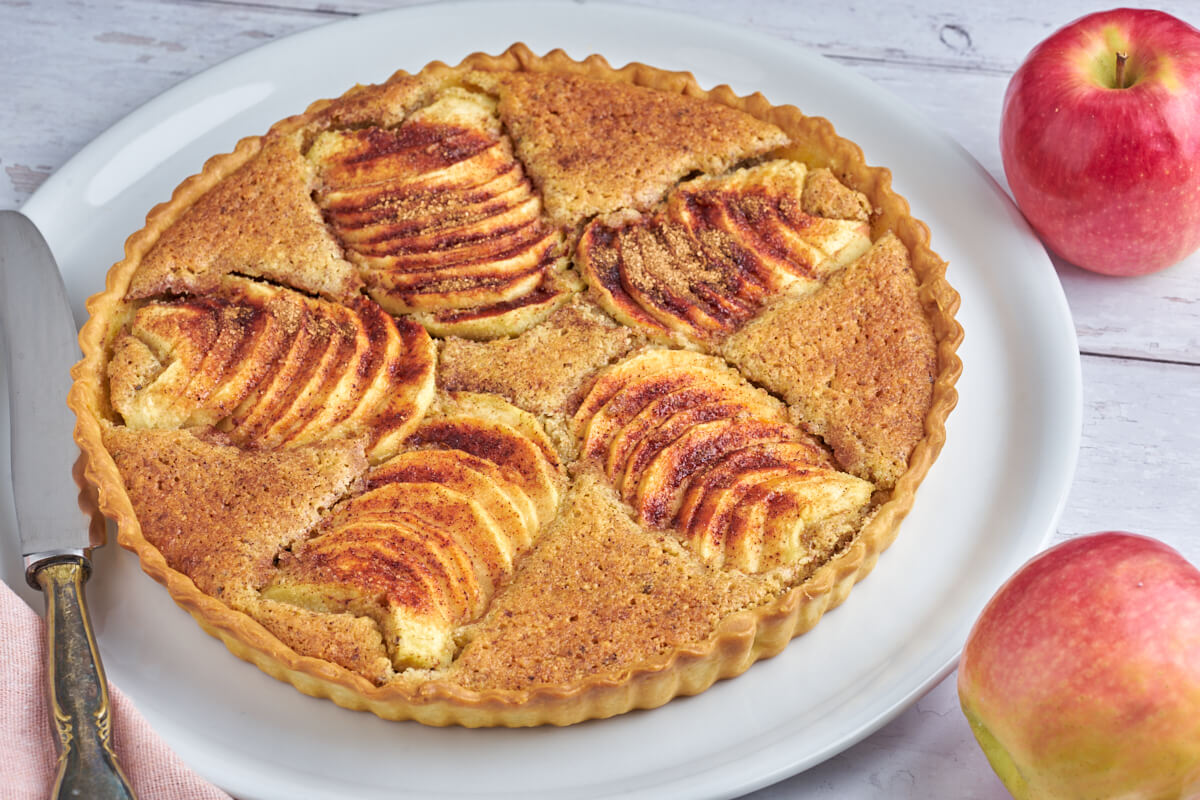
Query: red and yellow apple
<point x="1081" y="678"/>
<point x="1100" y="139"/>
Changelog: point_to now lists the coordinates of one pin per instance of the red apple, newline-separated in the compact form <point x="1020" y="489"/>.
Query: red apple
<point x="1100" y="138"/>
<point x="1081" y="678"/>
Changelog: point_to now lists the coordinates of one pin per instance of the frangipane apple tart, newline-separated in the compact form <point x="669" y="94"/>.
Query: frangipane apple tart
<point x="523" y="391"/>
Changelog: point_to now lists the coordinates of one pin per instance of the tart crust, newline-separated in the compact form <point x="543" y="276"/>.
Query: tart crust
<point x="749" y="623"/>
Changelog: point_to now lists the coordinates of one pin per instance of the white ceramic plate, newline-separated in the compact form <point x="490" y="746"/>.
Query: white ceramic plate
<point x="990" y="501"/>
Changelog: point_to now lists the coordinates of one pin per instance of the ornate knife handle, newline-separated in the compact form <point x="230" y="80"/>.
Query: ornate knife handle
<point x="87" y="766"/>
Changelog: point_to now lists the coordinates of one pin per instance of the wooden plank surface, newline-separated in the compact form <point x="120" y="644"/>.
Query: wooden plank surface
<point x="71" y="68"/>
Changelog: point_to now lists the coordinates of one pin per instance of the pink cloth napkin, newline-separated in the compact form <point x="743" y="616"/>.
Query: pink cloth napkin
<point x="28" y="760"/>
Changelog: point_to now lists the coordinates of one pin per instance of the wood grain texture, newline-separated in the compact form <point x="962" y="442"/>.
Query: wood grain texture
<point x="71" y="68"/>
<point x="1138" y="458"/>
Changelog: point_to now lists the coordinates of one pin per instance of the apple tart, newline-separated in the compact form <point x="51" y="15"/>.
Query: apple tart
<point x="524" y="391"/>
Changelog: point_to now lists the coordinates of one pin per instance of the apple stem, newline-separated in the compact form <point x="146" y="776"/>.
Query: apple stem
<point x="1121" y="58"/>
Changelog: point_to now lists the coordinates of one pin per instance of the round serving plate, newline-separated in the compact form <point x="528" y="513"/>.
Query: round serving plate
<point x="990" y="501"/>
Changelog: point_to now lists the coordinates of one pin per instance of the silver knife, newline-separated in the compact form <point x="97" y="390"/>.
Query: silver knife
<point x="41" y="346"/>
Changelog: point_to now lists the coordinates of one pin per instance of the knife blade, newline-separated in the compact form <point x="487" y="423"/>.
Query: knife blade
<point x="40" y="347"/>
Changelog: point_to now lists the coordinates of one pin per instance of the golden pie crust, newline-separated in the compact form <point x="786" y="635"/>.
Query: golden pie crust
<point x="637" y="483"/>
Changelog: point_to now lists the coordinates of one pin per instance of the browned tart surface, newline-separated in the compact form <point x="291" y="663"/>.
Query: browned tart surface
<point x="519" y="392"/>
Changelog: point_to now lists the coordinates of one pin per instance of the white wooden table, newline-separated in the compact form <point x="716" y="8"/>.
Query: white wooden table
<point x="71" y="68"/>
